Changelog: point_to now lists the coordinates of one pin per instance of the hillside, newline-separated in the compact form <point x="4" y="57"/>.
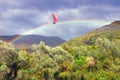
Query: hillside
<point x="102" y="47"/>
<point x="29" y="40"/>
<point x="111" y="31"/>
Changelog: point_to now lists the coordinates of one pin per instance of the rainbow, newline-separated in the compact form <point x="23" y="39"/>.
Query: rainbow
<point x="89" y="22"/>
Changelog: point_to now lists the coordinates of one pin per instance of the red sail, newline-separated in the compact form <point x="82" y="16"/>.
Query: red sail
<point x="55" y="19"/>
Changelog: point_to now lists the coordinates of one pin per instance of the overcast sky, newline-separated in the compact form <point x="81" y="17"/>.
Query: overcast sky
<point x="20" y="16"/>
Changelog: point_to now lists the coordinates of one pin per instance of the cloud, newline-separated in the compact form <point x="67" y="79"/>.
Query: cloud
<point x="8" y="4"/>
<point x="18" y="16"/>
<point x="105" y="13"/>
<point x="65" y="31"/>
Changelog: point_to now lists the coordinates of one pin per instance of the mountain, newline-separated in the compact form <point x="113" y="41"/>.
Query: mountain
<point x="113" y="26"/>
<point x="111" y="31"/>
<point x="28" y="40"/>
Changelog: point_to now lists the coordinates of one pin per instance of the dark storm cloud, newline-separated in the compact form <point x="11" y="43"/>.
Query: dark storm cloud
<point x="58" y="4"/>
<point x="51" y="4"/>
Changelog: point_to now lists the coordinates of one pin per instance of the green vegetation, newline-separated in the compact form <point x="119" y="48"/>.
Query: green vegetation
<point x="94" y="56"/>
<point x="40" y="62"/>
<point x="102" y="53"/>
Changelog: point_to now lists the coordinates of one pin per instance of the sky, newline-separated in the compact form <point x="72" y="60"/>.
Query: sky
<point x="21" y="16"/>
